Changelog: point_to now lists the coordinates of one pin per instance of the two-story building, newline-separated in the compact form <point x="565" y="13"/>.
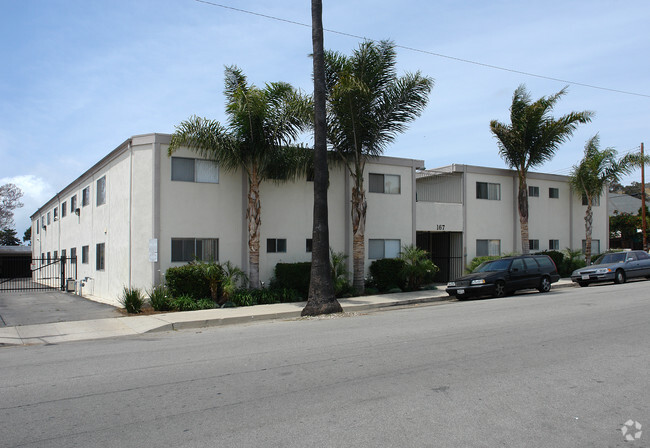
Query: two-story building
<point x="138" y="212"/>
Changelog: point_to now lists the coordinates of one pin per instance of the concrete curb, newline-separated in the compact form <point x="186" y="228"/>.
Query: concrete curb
<point x="58" y="332"/>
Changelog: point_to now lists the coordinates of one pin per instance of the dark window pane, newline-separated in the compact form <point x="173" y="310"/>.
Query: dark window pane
<point x="182" y="169"/>
<point x="308" y="245"/>
<point x="271" y="245"/>
<point x="376" y="182"/>
<point x="281" y="245"/>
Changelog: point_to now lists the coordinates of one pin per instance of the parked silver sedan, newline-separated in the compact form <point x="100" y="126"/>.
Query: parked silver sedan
<point x="616" y="267"/>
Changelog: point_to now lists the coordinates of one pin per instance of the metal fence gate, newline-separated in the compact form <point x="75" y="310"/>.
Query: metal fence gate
<point x="25" y="274"/>
<point x="446" y="251"/>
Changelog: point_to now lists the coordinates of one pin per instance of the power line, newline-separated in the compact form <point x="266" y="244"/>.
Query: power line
<point x="431" y="53"/>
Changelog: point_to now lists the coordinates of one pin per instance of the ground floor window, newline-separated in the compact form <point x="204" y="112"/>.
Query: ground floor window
<point x="595" y="246"/>
<point x="73" y="254"/>
<point x="308" y="245"/>
<point x="553" y="244"/>
<point x="533" y="244"/>
<point x="190" y="249"/>
<point x="378" y="249"/>
<point x="84" y="254"/>
<point x="275" y="245"/>
<point x="486" y="248"/>
<point x="100" y="256"/>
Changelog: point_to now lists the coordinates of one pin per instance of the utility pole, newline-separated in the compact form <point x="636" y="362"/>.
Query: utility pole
<point x="643" y="225"/>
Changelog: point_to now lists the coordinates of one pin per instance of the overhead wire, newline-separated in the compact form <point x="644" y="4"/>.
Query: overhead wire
<point x="431" y="53"/>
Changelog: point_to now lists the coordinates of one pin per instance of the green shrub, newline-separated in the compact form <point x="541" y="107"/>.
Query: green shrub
<point x="573" y="259"/>
<point x="160" y="299"/>
<point x="478" y="260"/>
<point x="250" y="297"/>
<point x="185" y="303"/>
<point x="293" y="276"/>
<point x="187" y="280"/>
<point x="243" y="297"/>
<point x="417" y="269"/>
<point x="340" y="280"/>
<point x="132" y="300"/>
<point x="385" y="273"/>
<point x="205" y="304"/>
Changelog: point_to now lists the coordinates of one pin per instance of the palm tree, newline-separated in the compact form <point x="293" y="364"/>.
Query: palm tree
<point x="531" y="139"/>
<point x="321" y="297"/>
<point x="593" y="173"/>
<point x="263" y="125"/>
<point x="368" y="106"/>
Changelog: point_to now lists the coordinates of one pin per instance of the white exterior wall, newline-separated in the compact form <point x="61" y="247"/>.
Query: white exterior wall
<point x="108" y="223"/>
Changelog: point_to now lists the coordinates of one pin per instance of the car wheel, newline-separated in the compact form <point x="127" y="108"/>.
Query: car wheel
<point x="619" y="277"/>
<point x="583" y="284"/>
<point x="544" y="284"/>
<point x="499" y="289"/>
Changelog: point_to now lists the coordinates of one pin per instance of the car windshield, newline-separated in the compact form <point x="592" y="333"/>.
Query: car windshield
<point x="493" y="266"/>
<point x="618" y="257"/>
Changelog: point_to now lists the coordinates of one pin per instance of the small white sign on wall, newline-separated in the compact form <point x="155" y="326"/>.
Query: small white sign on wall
<point x="153" y="250"/>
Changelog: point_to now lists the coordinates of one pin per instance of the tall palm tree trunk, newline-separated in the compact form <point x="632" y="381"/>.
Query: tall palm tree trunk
<point x="589" y="217"/>
<point x="359" y="207"/>
<point x="321" y="298"/>
<point x="522" y="202"/>
<point x="253" y="216"/>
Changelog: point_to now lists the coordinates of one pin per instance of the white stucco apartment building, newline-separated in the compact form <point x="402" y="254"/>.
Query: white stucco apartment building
<point x="138" y="212"/>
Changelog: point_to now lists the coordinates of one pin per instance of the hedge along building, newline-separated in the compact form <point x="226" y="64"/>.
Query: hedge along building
<point x="138" y="212"/>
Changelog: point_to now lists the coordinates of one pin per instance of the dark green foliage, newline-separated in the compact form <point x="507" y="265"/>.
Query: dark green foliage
<point x="160" y="299"/>
<point x="386" y="273"/>
<point x="132" y="300"/>
<point x="293" y="276"/>
<point x="478" y="260"/>
<point x="205" y="304"/>
<point x="187" y="280"/>
<point x="8" y="237"/>
<point x="185" y="303"/>
<point x="370" y="291"/>
<point x="418" y="269"/>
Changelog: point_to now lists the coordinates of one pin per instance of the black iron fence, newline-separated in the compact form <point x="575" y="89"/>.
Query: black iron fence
<point x="23" y="273"/>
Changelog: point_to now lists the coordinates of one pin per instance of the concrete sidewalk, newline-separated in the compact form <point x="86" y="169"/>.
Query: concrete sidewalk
<point x="54" y="333"/>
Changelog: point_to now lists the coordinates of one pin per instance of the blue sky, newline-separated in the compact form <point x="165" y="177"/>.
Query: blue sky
<point x="80" y="77"/>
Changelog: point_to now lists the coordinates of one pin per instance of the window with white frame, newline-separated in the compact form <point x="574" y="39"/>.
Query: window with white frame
<point x="595" y="246"/>
<point x="553" y="244"/>
<point x="101" y="191"/>
<point x="185" y="169"/>
<point x="383" y="248"/>
<point x="486" y="248"/>
<point x="64" y="209"/>
<point x="533" y="191"/>
<point x="487" y="190"/>
<point x="553" y="193"/>
<point x="384" y="183"/>
<point x="533" y="244"/>
<point x="85" y="253"/>
<point x="56" y="213"/>
<point x="190" y="249"/>
<point x="85" y="196"/>
<point x="275" y="245"/>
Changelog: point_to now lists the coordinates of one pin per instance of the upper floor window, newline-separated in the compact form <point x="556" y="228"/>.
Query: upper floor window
<point x="195" y="170"/>
<point x="56" y="213"/>
<point x="533" y="192"/>
<point x="48" y="218"/>
<point x="64" y="209"/>
<point x="595" y="202"/>
<point x="85" y="196"/>
<point x="384" y="183"/>
<point x="486" y="190"/>
<point x="553" y="193"/>
<point x="73" y="203"/>
<point x="37" y="227"/>
<point x="101" y="190"/>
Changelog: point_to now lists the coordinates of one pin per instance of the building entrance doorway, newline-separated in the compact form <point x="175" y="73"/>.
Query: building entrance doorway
<point x="445" y="250"/>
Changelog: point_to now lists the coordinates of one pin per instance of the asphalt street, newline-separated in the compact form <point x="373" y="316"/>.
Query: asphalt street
<point x="563" y="369"/>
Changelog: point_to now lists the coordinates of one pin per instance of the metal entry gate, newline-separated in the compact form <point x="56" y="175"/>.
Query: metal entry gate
<point x="445" y="250"/>
<point x="25" y="274"/>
